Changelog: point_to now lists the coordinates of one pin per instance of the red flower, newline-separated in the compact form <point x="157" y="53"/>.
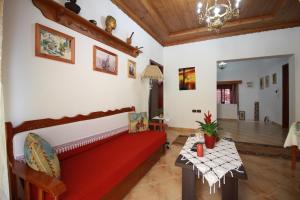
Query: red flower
<point x="207" y="117"/>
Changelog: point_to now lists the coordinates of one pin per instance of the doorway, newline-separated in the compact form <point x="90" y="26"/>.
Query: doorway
<point x="285" y="96"/>
<point x="156" y="96"/>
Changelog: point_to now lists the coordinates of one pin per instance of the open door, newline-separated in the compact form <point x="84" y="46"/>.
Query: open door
<point x="156" y="99"/>
<point x="285" y="96"/>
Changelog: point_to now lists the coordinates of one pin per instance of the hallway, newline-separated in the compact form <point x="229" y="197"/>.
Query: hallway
<point x="252" y="132"/>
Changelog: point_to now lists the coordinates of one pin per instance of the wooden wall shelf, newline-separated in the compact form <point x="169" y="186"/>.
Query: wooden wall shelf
<point x="58" y="13"/>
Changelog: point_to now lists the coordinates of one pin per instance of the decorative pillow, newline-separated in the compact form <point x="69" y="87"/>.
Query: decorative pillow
<point x="40" y="156"/>
<point x="138" y="122"/>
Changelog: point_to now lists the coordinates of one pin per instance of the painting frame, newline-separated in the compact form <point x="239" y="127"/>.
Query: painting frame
<point x="261" y="83"/>
<point x="274" y="78"/>
<point x="187" y="78"/>
<point x="267" y="81"/>
<point x="131" y="69"/>
<point x="242" y="115"/>
<point x="108" y="53"/>
<point x="39" y="41"/>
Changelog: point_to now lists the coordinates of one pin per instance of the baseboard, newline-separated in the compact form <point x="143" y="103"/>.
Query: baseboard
<point x="182" y="129"/>
<point x="276" y="124"/>
<point x="225" y="119"/>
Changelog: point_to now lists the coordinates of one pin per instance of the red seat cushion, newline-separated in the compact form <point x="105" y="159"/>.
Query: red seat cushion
<point x="93" y="173"/>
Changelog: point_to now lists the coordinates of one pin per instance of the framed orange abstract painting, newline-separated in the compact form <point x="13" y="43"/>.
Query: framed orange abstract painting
<point x="187" y="78"/>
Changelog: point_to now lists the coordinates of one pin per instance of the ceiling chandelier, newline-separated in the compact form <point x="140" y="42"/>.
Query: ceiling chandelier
<point x="217" y="14"/>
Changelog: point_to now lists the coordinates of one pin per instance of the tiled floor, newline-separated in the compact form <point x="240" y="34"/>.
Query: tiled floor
<point x="268" y="178"/>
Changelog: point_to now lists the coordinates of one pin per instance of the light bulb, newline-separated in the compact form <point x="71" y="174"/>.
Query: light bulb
<point x="207" y="20"/>
<point x="217" y="10"/>
<point x="199" y="5"/>
<point x="198" y="10"/>
<point x="237" y="4"/>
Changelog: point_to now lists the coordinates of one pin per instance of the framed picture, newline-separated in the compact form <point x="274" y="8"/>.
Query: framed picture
<point x="241" y="115"/>
<point x="274" y="78"/>
<point x="250" y="84"/>
<point x="261" y="83"/>
<point x="54" y="45"/>
<point x="267" y="78"/>
<point x="187" y="78"/>
<point x="131" y="68"/>
<point x="105" y="61"/>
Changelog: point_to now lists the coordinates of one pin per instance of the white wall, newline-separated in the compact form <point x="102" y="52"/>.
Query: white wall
<point x="251" y="71"/>
<point x="270" y="101"/>
<point x="35" y="87"/>
<point x="4" y="190"/>
<point x="245" y="71"/>
<point x="204" y="55"/>
<point x="227" y="111"/>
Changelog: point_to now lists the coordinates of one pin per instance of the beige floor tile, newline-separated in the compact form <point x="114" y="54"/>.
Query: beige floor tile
<point x="268" y="178"/>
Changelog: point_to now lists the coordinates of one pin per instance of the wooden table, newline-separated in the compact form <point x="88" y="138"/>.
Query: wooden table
<point x="229" y="189"/>
<point x="161" y="125"/>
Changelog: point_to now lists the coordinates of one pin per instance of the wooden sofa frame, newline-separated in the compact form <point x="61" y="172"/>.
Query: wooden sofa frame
<point x="22" y="177"/>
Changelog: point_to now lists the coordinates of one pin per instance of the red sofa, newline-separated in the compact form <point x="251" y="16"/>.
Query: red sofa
<point x="93" y="173"/>
<point x="106" y="169"/>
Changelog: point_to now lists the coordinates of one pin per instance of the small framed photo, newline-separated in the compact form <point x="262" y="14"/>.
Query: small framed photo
<point x="261" y="83"/>
<point x="241" y="115"/>
<point x="105" y="61"/>
<point x="250" y="84"/>
<point x="131" y="68"/>
<point x="267" y="80"/>
<point x="274" y="78"/>
<point x="54" y="45"/>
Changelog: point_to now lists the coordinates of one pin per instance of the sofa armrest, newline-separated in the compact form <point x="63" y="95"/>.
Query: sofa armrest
<point x="42" y="181"/>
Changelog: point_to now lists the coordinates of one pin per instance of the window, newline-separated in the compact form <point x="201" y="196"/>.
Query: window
<point x="227" y="93"/>
<point x="224" y="96"/>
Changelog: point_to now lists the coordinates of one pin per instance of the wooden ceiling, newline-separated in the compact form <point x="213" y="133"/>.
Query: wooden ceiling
<point x="173" y="22"/>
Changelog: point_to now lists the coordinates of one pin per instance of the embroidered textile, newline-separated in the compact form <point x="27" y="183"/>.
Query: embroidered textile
<point x="215" y="163"/>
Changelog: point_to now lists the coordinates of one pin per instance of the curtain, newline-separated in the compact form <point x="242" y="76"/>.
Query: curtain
<point x="233" y="90"/>
<point x="4" y="191"/>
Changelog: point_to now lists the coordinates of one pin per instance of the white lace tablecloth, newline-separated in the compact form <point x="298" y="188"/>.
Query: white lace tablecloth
<point x="215" y="163"/>
<point x="293" y="137"/>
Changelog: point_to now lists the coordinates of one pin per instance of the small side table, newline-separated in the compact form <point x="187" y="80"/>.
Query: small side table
<point x="161" y="125"/>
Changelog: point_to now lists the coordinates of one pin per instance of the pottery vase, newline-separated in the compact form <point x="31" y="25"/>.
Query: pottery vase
<point x="210" y="141"/>
<point x="71" y="5"/>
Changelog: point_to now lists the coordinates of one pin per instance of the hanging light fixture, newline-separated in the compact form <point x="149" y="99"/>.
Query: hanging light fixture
<point x="216" y="14"/>
<point x="222" y="65"/>
<point x="152" y="72"/>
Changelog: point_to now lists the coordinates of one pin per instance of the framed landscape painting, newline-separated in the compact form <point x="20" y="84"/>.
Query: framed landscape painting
<point x="105" y="61"/>
<point x="187" y="78"/>
<point x="131" y="69"/>
<point x="54" y="45"/>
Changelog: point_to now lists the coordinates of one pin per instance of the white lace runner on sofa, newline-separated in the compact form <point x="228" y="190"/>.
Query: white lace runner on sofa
<point x="215" y="163"/>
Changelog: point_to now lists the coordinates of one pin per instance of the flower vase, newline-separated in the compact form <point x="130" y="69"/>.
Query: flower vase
<point x="210" y="141"/>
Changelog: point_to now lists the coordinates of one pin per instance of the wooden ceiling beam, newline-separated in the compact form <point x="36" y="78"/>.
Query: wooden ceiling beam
<point x="278" y="7"/>
<point x="138" y="20"/>
<point x="198" y="38"/>
<point x="252" y="20"/>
